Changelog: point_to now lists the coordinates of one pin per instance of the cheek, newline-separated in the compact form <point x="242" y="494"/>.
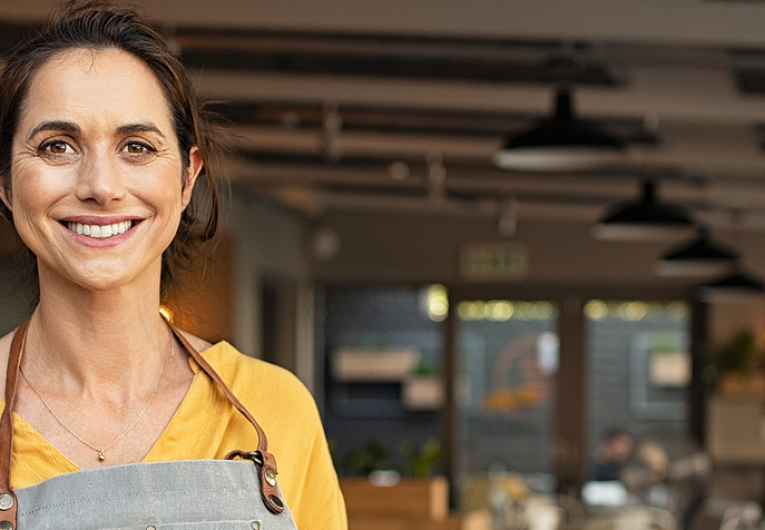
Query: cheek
<point x="23" y="198"/>
<point x="33" y="188"/>
<point x="158" y="187"/>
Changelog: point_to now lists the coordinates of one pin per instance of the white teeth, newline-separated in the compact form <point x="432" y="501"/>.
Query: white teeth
<point x="99" y="231"/>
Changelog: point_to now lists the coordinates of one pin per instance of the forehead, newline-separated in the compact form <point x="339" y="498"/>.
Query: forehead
<point x="95" y="88"/>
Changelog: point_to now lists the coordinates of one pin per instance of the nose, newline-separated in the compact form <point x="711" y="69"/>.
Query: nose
<point x="99" y="178"/>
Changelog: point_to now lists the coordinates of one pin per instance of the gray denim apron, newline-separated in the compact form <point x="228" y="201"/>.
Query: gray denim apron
<point x="181" y="495"/>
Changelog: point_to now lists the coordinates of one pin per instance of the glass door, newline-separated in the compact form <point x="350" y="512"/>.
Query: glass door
<point x="639" y="372"/>
<point x="507" y="362"/>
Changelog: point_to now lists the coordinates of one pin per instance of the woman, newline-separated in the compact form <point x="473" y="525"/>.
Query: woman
<point x="119" y="422"/>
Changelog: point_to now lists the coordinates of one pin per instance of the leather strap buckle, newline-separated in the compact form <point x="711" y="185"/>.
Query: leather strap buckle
<point x="266" y="467"/>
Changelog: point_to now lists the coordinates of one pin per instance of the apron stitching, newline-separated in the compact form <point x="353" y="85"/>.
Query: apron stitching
<point x="137" y="495"/>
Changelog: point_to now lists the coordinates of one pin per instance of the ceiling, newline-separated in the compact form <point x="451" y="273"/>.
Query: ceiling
<point x="398" y="106"/>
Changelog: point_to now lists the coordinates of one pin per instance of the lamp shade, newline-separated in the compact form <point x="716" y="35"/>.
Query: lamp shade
<point x="736" y="287"/>
<point x="700" y="257"/>
<point x="560" y="143"/>
<point x="645" y="220"/>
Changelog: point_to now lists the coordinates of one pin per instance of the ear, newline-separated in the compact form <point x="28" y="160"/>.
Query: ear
<point x="5" y="197"/>
<point x="190" y="175"/>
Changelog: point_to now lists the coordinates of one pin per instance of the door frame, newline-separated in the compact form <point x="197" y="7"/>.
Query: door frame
<point x="570" y="415"/>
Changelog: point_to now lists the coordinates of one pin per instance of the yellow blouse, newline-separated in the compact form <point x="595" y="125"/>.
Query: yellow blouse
<point x="207" y="426"/>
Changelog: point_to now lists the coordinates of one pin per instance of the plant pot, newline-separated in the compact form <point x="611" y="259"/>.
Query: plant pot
<point x="748" y="384"/>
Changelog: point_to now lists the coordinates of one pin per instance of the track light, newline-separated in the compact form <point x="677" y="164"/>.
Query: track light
<point x="563" y="142"/>
<point x="700" y="257"/>
<point x="645" y="220"/>
<point x="736" y="287"/>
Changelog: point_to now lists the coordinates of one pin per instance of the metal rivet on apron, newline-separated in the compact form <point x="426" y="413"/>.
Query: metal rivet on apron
<point x="276" y="501"/>
<point x="6" y="525"/>
<point x="152" y="527"/>
<point x="6" y="501"/>
<point x="270" y="476"/>
<point x="256" y="525"/>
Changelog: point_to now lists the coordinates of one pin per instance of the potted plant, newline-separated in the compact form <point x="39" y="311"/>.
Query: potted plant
<point x="732" y="367"/>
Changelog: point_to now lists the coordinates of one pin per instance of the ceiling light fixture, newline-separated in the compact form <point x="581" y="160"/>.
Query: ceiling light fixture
<point x="645" y="220"/>
<point x="736" y="287"/>
<point x="700" y="257"/>
<point x="563" y="142"/>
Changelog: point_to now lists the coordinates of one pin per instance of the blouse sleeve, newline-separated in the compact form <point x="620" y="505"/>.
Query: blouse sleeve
<point x="311" y="486"/>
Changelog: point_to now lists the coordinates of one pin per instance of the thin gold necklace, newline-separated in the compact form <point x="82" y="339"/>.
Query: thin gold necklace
<point x="102" y="452"/>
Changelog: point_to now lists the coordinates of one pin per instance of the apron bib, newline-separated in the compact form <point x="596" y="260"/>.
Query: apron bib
<point x="184" y="495"/>
<point x="181" y="495"/>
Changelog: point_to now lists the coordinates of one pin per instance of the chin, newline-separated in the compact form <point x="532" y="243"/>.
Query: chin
<point x="99" y="278"/>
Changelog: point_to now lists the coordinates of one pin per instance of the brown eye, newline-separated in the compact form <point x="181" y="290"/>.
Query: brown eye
<point x="57" y="148"/>
<point x="137" y="148"/>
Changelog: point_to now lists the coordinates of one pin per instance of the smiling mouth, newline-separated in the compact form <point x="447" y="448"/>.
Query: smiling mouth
<point x="98" y="231"/>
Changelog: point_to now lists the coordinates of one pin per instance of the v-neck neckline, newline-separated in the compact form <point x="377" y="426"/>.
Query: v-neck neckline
<point x="27" y="430"/>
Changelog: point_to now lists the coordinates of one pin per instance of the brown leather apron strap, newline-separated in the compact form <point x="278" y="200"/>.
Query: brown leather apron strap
<point x="264" y="461"/>
<point x="8" y="504"/>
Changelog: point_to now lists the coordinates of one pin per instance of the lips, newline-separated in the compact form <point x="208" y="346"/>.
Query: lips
<point x="100" y="231"/>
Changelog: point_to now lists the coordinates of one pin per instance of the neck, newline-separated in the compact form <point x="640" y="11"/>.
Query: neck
<point x="98" y="339"/>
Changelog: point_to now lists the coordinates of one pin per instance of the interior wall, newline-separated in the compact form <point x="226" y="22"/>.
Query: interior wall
<point x="387" y="247"/>
<point x="728" y="319"/>
<point x="15" y="304"/>
<point x="268" y="244"/>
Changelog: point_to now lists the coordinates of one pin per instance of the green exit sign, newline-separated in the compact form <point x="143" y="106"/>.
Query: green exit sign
<point x="493" y="261"/>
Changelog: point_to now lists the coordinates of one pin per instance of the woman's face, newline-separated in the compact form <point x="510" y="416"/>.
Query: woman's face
<point x="97" y="181"/>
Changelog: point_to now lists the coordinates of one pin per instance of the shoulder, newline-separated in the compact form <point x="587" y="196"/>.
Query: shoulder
<point x="226" y="359"/>
<point x="286" y="411"/>
<point x="278" y="400"/>
<point x="255" y="379"/>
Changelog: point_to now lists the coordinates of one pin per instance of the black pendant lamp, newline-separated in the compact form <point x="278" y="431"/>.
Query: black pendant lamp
<point x="645" y="220"/>
<point x="700" y="257"/>
<point x="736" y="287"/>
<point x="560" y="143"/>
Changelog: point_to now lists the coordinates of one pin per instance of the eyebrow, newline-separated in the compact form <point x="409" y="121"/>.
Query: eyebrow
<point x="63" y="126"/>
<point x="139" y="127"/>
<point x="71" y="128"/>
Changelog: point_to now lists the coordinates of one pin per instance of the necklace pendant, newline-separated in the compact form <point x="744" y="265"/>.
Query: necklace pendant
<point x="101" y="455"/>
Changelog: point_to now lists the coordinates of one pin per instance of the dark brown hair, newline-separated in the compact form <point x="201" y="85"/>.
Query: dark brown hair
<point x="98" y="25"/>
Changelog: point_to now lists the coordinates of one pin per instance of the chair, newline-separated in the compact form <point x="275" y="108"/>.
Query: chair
<point x="410" y="504"/>
<point x="641" y="518"/>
